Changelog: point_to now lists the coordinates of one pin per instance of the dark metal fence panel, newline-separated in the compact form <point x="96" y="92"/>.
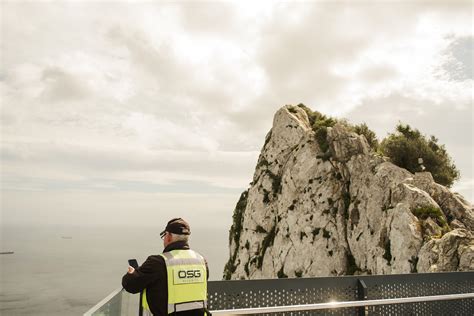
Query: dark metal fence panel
<point x="426" y="284"/>
<point x="281" y="292"/>
<point x="421" y="284"/>
<point x="451" y="308"/>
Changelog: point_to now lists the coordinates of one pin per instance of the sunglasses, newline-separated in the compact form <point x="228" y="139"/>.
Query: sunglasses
<point x="163" y="234"/>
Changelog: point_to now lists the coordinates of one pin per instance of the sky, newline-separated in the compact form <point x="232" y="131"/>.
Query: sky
<point x="131" y="113"/>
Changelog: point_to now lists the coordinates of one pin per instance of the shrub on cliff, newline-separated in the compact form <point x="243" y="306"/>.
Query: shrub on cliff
<point x="234" y="233"/>
<point x="407" y="145"/>
<point x="319" y="123"/>
<point x="363" y="129"/>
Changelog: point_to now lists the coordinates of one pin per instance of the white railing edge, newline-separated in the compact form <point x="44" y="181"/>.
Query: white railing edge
<point x="103" y="302"/>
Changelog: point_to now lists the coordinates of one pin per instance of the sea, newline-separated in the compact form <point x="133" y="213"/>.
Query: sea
<point x="66" y="270"/>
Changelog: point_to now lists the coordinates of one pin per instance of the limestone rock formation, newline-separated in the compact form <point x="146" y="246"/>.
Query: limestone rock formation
<point x="322" y="203"/>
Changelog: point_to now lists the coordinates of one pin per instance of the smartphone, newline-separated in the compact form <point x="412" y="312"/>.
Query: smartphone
<point x="133" y="263"/>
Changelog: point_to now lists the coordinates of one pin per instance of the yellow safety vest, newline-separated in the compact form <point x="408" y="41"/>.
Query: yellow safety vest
<point x="187" y="281"/>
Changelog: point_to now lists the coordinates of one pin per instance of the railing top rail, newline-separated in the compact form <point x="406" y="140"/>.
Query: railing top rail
<point x="333" y="305"/>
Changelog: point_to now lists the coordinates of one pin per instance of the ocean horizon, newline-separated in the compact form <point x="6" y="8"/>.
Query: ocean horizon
<point x="66" y="270"/>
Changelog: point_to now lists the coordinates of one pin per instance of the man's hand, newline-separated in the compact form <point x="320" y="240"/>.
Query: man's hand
<point x="130" y="270"/>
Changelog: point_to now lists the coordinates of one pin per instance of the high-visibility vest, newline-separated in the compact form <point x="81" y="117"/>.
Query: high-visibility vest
<point x="187" y="281"/>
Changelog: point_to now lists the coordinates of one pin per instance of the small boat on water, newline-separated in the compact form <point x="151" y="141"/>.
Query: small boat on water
<point x="66" y="237"/>
<point x="7" y="253"/>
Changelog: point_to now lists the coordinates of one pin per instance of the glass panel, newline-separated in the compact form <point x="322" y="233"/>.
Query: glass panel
<point x="130" y="303"/>
<point x="118" y="303"/>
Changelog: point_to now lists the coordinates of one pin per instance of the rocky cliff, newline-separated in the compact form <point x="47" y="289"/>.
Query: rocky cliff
<point x="322" y="203"/>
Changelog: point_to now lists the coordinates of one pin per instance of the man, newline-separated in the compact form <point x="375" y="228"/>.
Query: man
<point x="174" y="281"/>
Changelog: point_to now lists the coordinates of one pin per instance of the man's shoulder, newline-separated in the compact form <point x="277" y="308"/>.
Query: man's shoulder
<point x="155" y="259"/>
<point x="152" y="264"/>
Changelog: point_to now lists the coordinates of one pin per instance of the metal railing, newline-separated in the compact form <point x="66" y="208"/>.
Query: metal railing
<point x="335" y="305"/>
<point x="412" y="294"/>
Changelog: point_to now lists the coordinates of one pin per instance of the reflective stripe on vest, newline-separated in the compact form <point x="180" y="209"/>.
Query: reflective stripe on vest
<point x="146" y="308"/>
<point x="187" y="281"/>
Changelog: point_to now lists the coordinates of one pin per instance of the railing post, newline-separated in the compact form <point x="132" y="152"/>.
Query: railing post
<point x="362" y="296"/>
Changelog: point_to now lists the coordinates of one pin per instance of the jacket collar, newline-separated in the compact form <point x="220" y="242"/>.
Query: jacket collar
<point x="177" y="245"/>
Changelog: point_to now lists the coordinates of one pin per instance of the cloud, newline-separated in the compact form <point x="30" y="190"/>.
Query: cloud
<point x="157" y="60"/>
<point x="61" y="86"/>
<point x="207" y="93"/>
<point x="298" y="66"/>
<point x="132" y="163"/>
<point x="464" y="187"/>
<point x="459" y="59"/>
<point x="202" y="18"/>
<point x="305" y="49"/>
<point x="378" y="73"/>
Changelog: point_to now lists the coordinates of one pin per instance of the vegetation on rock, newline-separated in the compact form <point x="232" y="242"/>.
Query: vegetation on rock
<point x="267" y="242"/>
<point x="319" y="123"/>
<point x="407" y="145"/>
<point x="363" y="129"/>
<point x="351" y="266"/>
<point x="234" y="233"/>
<point x="425" y="211"/>
<point x="388" y="252"/>
<point x="281" y="274"/>
<point x="404" y="147"/>
<point x="429" y="211"/>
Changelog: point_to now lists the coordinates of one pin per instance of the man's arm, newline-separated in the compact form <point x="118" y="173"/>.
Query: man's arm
<point x="136" y="280"/>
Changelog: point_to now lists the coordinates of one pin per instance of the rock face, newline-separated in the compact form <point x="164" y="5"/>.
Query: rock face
<point x="323" y="203"/>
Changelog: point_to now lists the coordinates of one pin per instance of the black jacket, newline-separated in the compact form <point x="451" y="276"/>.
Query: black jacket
<point x="152" y="276"/>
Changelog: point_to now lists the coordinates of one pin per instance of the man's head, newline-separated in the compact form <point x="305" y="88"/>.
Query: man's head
<point x="177" y="229"/>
